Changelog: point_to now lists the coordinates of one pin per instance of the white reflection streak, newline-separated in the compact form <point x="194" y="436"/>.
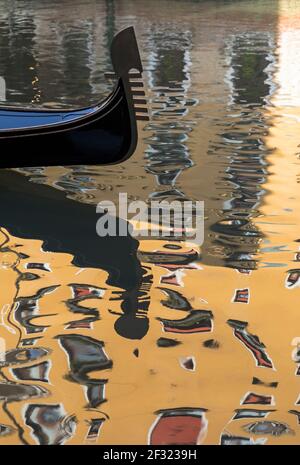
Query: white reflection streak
<point x="288" y="73"/>
<point x="3" y="313"/>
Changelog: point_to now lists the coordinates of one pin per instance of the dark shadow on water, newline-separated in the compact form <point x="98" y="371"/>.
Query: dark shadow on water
<point x="40" y="212"/>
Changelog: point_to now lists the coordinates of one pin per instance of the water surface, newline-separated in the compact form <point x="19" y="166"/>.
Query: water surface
<point x="151" y="336"/>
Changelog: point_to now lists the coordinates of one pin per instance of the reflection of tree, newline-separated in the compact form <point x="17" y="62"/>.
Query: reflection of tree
<point x="76" y="59"/>
<point x="110" y="22"/>
<point x="17" y="59"/>
<point x="250" y="77"/>
<point x="170" y="66"/>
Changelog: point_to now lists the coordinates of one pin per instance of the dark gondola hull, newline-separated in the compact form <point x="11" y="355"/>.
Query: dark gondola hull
<point x="103" y="134"/>
<point x="96" y="140"/>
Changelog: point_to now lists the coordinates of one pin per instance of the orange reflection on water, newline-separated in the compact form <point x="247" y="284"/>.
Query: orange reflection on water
<point x="219" y="361"/>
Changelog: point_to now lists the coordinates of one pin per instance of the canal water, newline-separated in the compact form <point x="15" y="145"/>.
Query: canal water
<point x="136" y="341"/>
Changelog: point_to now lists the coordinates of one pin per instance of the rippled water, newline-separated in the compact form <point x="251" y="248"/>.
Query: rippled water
<point x="118" y="341"/>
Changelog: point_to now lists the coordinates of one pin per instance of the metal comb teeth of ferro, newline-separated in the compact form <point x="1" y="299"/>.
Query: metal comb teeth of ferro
<point x="137" y="93"/>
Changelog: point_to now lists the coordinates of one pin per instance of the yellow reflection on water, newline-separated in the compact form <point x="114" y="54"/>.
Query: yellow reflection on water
<point x="241" y="354"/>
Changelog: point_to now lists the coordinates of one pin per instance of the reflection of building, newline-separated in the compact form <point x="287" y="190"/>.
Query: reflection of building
<point x="54" y="52"/>
<point x="211" y="335"/>
<point x="232" y="123"/>
<point x="167" y="152"/>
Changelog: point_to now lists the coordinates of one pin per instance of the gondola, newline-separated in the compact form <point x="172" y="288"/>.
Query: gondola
<point x="105" y="133"/>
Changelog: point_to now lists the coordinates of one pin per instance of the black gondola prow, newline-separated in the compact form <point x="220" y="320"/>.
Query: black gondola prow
<point x="105" y="133"/>
<point x="128" y="67"/>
